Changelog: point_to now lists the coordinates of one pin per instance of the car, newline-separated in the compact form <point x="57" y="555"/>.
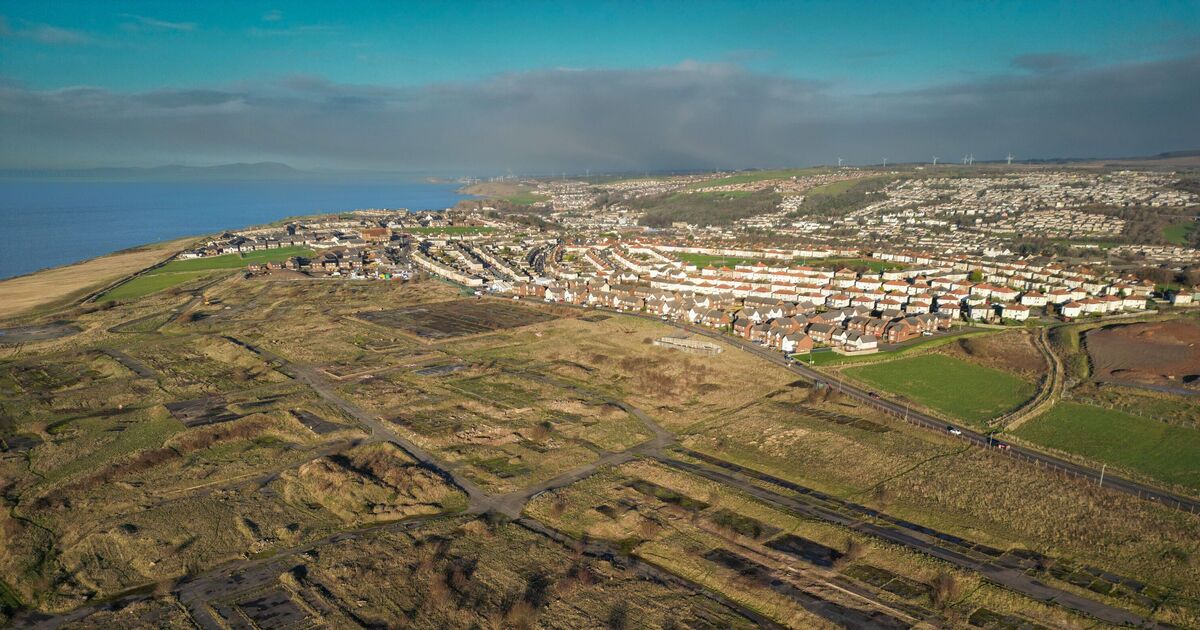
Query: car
<point x="1002" y="446"/>
<point x="873" y="394"/>
<point x="953" y="430"/>
<point x="926" y="333"/>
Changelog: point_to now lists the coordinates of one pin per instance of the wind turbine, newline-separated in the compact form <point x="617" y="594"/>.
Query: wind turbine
<point x="884" y="162"/>
<point x="839" y="162"/>
<point x="1010" y="159"/>
<point x="971" y="159"/>
<point x="935" y="159"/>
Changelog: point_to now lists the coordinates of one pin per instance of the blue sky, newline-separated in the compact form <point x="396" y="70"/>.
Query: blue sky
<point x="857" y="46"/>
<point x="845" y="51"/>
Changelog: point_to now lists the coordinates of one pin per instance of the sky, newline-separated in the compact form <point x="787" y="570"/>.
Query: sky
<point x="482" y="88"/>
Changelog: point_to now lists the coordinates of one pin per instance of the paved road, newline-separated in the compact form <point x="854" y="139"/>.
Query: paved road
<point x="1112" y="482"/>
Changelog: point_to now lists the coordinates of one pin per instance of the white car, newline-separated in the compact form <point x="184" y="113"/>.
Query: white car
<point x="953" y="430"/>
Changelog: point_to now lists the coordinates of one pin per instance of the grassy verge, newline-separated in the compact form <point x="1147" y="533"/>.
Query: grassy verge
<point x="959" y="389"/>
<point x="1164" y="452"/>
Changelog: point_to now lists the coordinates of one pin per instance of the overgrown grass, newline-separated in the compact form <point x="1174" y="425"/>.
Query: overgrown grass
<point x="959" y="389"/>
<point x="1165" y="452"/>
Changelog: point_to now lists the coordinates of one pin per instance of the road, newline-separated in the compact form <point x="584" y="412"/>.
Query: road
<point x="1043" y="460"/>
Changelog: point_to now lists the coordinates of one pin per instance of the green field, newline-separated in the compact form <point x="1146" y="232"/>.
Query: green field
<point x="1168" y="453"/>
<point x="142" y="286"/>
<point x="525" y="199"/>
<point x="959" y="389"/>
<point x="453" y="229"/>
<point x="853" y="263"/>
<point x="178" y="272"/>
<point x="1177" y="234"/>
<point x="706" y="260"/>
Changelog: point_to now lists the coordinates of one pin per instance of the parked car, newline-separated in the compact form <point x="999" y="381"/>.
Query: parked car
<point x="953" y="430"/>
<point x="873" y="394"/>
<point x="1002" y="446"/>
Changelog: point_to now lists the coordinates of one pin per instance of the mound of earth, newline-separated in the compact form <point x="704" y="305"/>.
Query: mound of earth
<point x="375" y="482"/>
<point x="1160" y="354"/>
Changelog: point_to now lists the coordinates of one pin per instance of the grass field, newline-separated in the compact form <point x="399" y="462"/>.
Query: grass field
<point x="178" y="272"/>
<point x="142" y="286"/>
<point x="968" y="392"/>
<point x="853" y="263"/>
<point x="525" y="198"/>
<point x="1162" y="451"/>
<point x="706" y="260"/>
<point x="1177" y="233"/>
<point x="453" y="229"/>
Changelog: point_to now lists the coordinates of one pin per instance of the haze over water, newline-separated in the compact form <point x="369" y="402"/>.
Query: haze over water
<point x="47" y="224"/>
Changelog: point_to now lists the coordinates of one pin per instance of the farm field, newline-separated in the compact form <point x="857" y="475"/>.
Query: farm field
<point x="968" y="392"/>
<point x="1170" y="454"/>
<point x="757" y="176"/>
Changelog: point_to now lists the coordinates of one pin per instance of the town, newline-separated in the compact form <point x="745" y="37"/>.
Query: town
<point x="922" y="256"/>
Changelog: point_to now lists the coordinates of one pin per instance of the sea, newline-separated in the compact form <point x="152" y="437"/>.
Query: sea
<point x="51" y="223"/>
